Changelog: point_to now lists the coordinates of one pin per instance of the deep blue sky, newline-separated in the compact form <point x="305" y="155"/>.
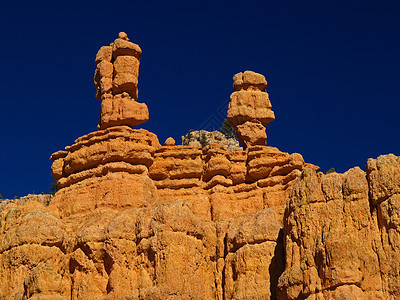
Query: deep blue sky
<point x="333" y="72"/>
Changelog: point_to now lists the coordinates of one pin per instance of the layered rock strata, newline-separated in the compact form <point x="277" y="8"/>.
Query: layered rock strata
<point x="105" y="168"/>
<point x="250" y="108"/>
<point x="339" y="241"/>
<point x="116" y="81"/>
<point x="221" y="184"/>
<point x="136" y="220"/>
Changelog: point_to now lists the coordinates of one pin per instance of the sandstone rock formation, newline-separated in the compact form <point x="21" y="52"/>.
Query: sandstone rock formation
<point x="105" y="168"/>
<point x="250" y="109"/>
<point x="116" y="81"/>
<point x="136" y="220"/>
<point x="194" y="137"/>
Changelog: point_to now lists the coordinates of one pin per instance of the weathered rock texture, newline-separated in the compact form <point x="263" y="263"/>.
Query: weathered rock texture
<point x="195" y="138"/>
<point x="250" y="109"/>
<point x="116" y="81"/>
<point x="105" y="168"/>
<point x="136" y="220"/>
<point x="341" y="234"/>
<point x="44" y="199"/>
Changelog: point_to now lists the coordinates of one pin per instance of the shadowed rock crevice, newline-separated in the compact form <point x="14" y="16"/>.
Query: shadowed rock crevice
<point x="277" y="265"/>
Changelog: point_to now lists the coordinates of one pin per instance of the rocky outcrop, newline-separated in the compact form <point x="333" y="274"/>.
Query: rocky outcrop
<point x="221" y="184"/>
<point x="338" y="240"/>
<point x="105" y="168"/>
<point x="136" y="220"/>
<point x="329" y="239"/>
<point x="341" y="234"/>
<point x="200" y="138"/>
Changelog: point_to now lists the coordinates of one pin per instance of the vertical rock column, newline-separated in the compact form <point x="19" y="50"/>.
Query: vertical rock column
<point x="116" y="80"/>
<point x="250" y="109"/>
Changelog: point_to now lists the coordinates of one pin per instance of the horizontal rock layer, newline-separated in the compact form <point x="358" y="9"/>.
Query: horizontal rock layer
<point x="249" y="109"/>
<point x="245" y="181"/>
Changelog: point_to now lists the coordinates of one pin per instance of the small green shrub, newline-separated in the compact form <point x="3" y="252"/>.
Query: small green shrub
<point x="203" y="140"/>
<point x="54" y="186"/>
<point x="227" y="130"/>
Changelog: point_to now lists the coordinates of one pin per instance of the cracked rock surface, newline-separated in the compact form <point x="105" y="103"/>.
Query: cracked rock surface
<point x="341" y="234"/>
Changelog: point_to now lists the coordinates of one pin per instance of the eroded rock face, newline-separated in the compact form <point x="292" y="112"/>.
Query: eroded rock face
<point x="337" y="241"/>
<point x="144" y="221"/>
<point x="329" y="239"/>
<point x="107" y="254"/>
<point x="145" y="253"/>
<point x="383" y="176"/>
<point x="341" y="234"/>
<point x="105" y="168"/>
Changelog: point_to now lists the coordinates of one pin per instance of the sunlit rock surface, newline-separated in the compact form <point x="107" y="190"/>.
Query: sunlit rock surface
<point x="136" y="220"/>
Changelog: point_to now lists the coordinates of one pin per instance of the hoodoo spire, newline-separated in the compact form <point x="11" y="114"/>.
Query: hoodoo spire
<point x="250" y="109"/>
<point x="116" y="81"/>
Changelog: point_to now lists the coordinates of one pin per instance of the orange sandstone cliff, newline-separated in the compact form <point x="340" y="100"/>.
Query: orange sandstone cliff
<point x="136" y="220"/>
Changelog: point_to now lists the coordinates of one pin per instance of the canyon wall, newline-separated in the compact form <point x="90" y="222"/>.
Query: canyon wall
<point x="133" y="219"/>
<point x="341" y="234"/>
